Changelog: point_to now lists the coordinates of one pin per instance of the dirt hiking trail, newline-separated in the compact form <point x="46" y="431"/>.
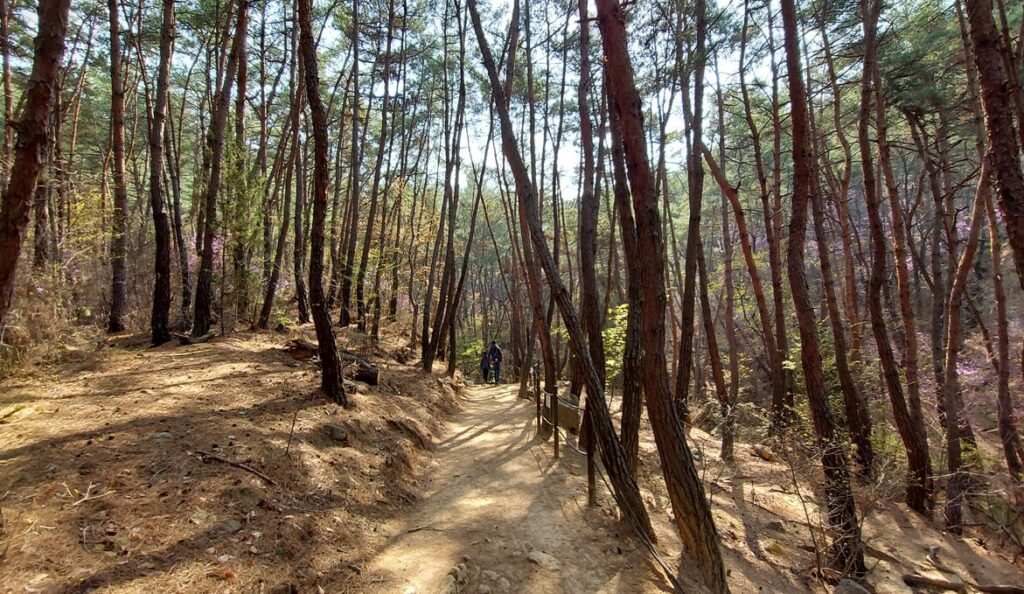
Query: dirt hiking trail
<point x="502" y="515"/>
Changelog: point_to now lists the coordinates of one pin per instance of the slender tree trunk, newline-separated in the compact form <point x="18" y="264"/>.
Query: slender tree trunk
<point x="732" y="395"/>
<point x="782" y="385"/>
<point x="632" y="371"/>
<point x="919" y="479"/>
<point x="5" y="50"/>
<point x="1008" y="433"/>
<point x="858" y="418"/>
<point x="773" y="350"/>
<point x="345" y="317"/>
<point x="382" y="143"/>
<point x="275" y="269"/>
<point x="43" y="235"/>
<point x="847" y="548"/>
<point x="179" y="232"/>
<point x="695" y="195"/>
<point x="330" y="362"/>
<point x="899" y="242"/>
<point x="956" y="487"/>
<point x="692" y="513"/>
<point x="215" y="141"/>
<point x="160" y="321"/>
<point x="715" y="359"/>
<point x="299" y="246"/>
<point x="119" y="220"/>
<point x="842" y="200"/>
<point x="589" y="206"/>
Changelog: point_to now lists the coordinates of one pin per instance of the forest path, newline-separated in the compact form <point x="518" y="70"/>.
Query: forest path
<point x="495" y="495"/>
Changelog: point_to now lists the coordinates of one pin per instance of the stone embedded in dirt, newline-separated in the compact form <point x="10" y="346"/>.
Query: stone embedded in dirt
<point x="489" y="575"/>
<point x="776" y="526"/>
<point x="484" y="589"/>
<point x="336" y="433"/>
<point x="163" y="436"/>
<point x="460" y="573"/>
<point x="762" y="452"/>
<point x="544" y="560"/>
<point x="847" y="586"/>
<point x="449" y="585"/>
<point x="232" y="526"/>
<point x="504" y="585"/>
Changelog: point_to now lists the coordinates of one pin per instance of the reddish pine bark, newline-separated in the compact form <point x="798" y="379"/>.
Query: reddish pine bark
<point x="32" y="141"/>
<point x="996" y="100"/>
<point x="848" y="549"/>
<point x="692" y="512"/>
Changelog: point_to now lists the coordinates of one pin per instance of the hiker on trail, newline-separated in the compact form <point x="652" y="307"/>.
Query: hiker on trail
<point x="494" y="354"/>
<point x="485" y="366"/>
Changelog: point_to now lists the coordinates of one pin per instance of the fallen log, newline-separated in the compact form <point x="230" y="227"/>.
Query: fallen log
<point x="356" y="367"/>
<point x="917" y="579"/>
<point x="185" y="339"/>
<point x="955" y="582"/>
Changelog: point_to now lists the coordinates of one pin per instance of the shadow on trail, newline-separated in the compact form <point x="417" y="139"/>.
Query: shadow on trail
<point x="498" y="495"/>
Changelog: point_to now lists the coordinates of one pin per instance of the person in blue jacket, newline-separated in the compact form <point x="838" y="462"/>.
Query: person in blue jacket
<point x="494" y="354"/>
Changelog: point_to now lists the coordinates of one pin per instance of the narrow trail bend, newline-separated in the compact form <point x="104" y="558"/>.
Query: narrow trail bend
<point x="495" y="494"/>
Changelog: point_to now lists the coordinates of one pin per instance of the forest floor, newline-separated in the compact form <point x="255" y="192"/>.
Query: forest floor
<point x="422" y="486"/>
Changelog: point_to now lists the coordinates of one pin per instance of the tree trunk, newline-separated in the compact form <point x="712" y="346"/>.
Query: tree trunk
<point x="33" y="140"/>
<point x="275" y="269"/>
<point x="215" y="142"/>
<point x="847" y="548"/>
<point x="773" y="349"/>
<point x="692" y="513"/>
<point x="119" y="220"/>
<point x="632" y="378"/>
<point x="996" y="100"/>
<point x="299" y="246"/>
<point x="956" y="487"/>
<point x="330" y="362"/>
<point x="345" y="317"/>
<point x="589" y="206"/>
<point x="375" y="187"/>
<point x="695" y="194"/>
<point x="919" y="479"/>
<point x="160" y="321"/>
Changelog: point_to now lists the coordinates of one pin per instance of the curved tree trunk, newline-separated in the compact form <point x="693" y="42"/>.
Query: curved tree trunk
<point x="847" y="547"/>
<point x="692" y="513"/>
<point x="330" y="362"/>
<point x="919" y="479"/>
